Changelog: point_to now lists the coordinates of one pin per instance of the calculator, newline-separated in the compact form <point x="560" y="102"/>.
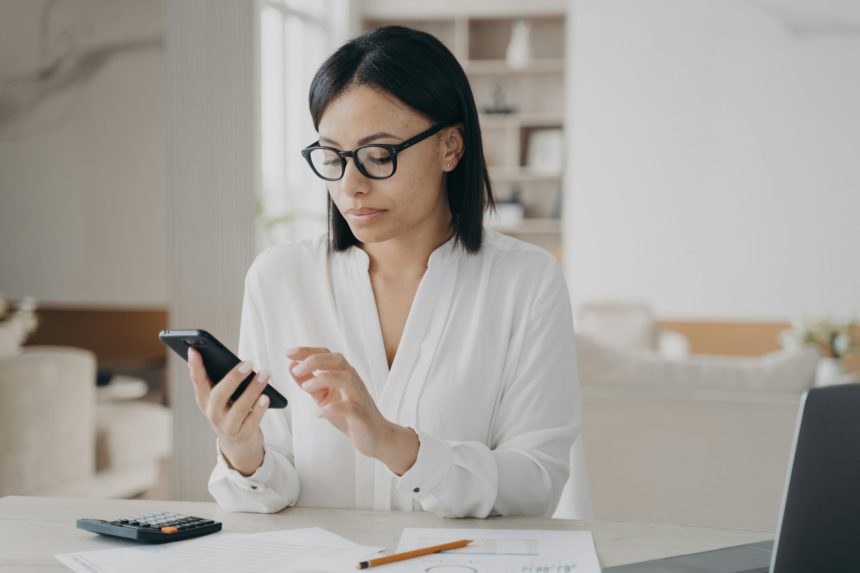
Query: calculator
<point x="153" y="527"/>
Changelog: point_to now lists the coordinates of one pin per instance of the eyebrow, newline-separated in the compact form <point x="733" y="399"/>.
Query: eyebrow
<point x="363" y="140"/>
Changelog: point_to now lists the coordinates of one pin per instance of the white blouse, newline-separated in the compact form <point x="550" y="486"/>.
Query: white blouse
<point x="485" y="373"/>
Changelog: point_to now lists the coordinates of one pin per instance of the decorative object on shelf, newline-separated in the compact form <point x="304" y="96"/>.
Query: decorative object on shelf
<point x="545" y="151"/>
<point x="508" y="214"/>
<point x="500" y="101"/>
<point x="16" y="325"/>
<point x="519" y="50"/>
<point x="833" y="339"/>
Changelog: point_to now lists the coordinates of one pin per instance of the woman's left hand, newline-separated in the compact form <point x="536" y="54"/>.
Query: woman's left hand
<point x="345" y="402"/>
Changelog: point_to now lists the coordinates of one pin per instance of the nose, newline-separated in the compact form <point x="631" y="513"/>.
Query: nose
<point x="353" y="182"/>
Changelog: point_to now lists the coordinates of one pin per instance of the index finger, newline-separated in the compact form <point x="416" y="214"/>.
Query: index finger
<point x="201" y="382"/>
<point x="300" y="353"/>
<point x="224" y="388"/>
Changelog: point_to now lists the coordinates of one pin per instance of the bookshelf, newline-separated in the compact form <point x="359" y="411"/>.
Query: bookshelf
<point x="522" y="144"/>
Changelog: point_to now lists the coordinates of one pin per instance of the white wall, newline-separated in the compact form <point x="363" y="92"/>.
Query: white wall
<point x="715" y="151"/>
<point x="82" y="177"/>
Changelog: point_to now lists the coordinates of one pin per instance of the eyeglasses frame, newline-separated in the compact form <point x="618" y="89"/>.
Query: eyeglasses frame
<point x="393" y="149"/>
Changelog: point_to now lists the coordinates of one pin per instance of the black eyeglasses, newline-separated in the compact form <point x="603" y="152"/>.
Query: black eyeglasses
<point x="374" y="160"/>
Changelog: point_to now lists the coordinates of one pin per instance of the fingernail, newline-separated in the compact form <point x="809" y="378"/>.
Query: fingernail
<point x="245" y="367"/>
<point x="300" y="369"/>
<point x="192" y="356"/>
<point x="309" y="385"/>
<point x="263" y="377"/>
<point x="263" y="401"/>
<point x="292" y="350"/>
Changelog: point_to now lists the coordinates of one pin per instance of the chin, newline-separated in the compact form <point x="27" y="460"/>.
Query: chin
<point x="369" y="236"/>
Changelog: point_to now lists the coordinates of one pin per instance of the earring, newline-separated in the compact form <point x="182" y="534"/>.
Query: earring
<point x="447" y="166"/>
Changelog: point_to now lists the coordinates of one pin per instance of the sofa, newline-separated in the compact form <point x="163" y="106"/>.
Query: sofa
<point x="700" y="441"/>
<point x="57" y="439"/>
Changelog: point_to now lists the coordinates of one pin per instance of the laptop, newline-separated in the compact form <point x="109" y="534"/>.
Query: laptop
<point x="819" y="521"/>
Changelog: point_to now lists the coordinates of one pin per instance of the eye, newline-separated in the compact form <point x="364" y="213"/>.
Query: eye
<point x="379" y="159"/>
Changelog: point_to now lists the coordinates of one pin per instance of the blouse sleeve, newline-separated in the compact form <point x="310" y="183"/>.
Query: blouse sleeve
<point x="526" y="465"/>
<point x="275" y="484"/>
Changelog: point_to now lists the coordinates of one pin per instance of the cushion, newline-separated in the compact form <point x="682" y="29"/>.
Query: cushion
<point x="620" y="325"/>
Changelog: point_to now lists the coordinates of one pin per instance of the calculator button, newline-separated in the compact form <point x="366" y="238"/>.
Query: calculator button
<point x="169" y="529"/>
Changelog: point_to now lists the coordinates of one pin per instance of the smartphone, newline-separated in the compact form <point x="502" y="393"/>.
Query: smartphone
<point x="217" y="360"/>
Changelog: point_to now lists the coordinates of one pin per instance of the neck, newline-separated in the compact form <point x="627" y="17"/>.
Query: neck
<point x="408" y="255"/>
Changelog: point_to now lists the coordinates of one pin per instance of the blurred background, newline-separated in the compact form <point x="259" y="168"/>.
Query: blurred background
<point x="691" y="164"/>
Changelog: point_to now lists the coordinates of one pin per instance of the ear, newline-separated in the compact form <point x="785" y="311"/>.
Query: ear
<point x="452" y="147"/>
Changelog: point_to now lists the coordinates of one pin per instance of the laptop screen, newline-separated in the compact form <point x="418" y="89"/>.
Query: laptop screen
<point x="820" y="522"/>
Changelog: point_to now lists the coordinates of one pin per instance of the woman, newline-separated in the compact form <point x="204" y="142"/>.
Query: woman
<point x="433" y="360"/>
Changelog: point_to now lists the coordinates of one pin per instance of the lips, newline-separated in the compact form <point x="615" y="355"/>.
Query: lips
<point x="359" y="211"/>
<point x="363" y="215"/>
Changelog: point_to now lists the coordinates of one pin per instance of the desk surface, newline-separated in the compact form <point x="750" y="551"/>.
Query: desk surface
<point x="34" y="529"/>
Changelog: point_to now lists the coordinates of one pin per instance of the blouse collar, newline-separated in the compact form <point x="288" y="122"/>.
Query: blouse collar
<point x="446" y="250"/>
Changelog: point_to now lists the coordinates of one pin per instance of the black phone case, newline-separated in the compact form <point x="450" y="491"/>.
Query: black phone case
<point x="217" y="360"/>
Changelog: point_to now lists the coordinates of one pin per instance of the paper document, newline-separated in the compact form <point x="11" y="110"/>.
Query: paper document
<point x="287" y="551"/>
<point x="500" y="551"/>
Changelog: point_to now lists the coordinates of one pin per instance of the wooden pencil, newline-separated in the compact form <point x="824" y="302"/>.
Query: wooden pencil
<point x="413" y="553"/>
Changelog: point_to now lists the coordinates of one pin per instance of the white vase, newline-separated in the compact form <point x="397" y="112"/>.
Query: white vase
<point x="11" y="337"/>
<point x="829" y="371"/>
<point x="519" y="50"/>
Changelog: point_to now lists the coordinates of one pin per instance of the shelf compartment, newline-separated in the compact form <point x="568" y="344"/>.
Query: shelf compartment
<point x="530" y="227"/>
<point x="489" y="37"/>
<point x="445" y="29"/>
<point x="526" y="119"/>
<point x="501" y="67"/>
<point x="521" y="175"/>
<point x="527" y="96"/>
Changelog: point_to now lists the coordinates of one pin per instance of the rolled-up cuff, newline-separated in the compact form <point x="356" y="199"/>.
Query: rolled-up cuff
<point x="253" y="482"/>
<point x="434" y="461"/>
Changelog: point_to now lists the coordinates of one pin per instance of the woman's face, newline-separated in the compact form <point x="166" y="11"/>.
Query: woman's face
<point x="413" y="200"/>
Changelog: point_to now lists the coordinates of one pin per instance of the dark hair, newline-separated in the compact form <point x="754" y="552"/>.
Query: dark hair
<point x="421" y="72"/>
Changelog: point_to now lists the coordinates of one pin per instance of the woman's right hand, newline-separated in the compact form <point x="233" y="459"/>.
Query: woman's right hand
<point x="237" y="425"/>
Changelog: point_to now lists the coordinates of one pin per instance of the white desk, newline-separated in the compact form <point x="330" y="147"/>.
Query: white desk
<point x="34" y="529"/>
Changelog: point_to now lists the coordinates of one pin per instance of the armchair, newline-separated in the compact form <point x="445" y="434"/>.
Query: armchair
<point x="56" y="439"/>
